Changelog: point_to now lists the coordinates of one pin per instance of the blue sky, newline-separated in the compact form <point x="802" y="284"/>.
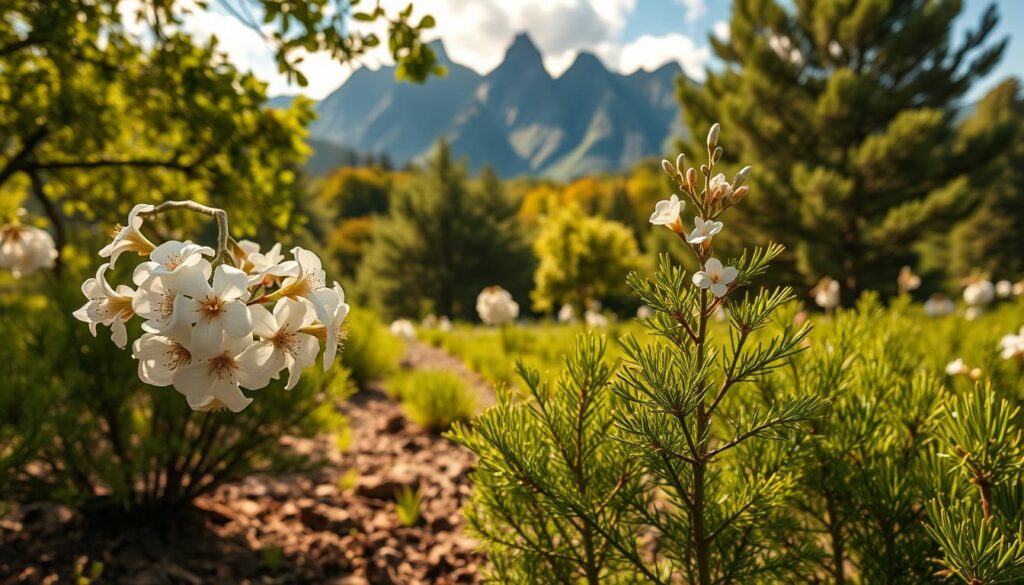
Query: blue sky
<point x="625" y="34"/>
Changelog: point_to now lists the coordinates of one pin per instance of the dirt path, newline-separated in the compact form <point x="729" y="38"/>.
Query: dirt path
<point x="422" y="356"/>
<point x="335" y="525"/>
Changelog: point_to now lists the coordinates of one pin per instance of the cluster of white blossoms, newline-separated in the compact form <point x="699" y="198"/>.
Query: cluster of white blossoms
<point x="1012" y="345"/>
<point x="25" y="249"/>
<point x="716" y="196"/>
<point x="496" y="306"/>
<point x="957" y="367"/>
<point x="403" y="329"/>
<point x="215" y="322"/>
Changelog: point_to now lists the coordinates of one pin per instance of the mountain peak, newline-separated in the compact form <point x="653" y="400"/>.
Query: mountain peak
<point x="438" y="47"/>
<point x="587" y="64"/>
<point x="522" y="50"/>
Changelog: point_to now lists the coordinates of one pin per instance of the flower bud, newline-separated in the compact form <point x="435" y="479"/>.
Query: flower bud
<point x="672" y="172"/>
<point x="741" y="176"/>
<point x="713" y="137"/>
<point x="680" y="163"/>
<point x="717" y="155"/>
<point x="705" y="169"/>
<point x="691" y="179"/>
<point x="739" y="194"/>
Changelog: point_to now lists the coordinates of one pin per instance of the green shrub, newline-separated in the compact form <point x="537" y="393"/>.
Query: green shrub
<point x="371" y="352"/>
<point x="98" y="438"/>
<point x="434" y="400"/>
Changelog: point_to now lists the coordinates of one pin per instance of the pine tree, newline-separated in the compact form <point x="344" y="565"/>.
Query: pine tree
<point x="992" y="238"/>
<point x="666" y="473"/>
<point x="443" y="240"/>
<point x="846" y="109"/>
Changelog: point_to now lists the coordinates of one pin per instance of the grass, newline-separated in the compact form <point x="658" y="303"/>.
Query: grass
<point x="407" y="506"/>
<point x="371" y="352"/>
<point x="434" y="400"/>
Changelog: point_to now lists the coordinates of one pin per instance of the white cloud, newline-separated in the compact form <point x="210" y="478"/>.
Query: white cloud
<point x="650" y="52"/>
<point x="694" y="9"/>
<point x="477" y="34"/>
<point x="721" y="30"/>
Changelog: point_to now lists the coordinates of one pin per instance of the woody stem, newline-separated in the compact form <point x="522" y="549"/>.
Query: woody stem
<point x="218" y="214"/>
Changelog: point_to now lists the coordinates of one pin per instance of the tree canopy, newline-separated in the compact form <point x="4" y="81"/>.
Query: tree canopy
<point x="94" y="117"/>
<point x="847" y="113"/>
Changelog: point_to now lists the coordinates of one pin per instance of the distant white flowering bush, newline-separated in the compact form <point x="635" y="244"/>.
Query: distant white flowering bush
<point x="496" y="306"/>
<point x="25" y="249"/>
<point x="404" y="329"/>
<point x="216" y="321"/>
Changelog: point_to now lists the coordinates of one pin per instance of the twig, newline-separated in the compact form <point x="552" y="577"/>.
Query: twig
<point x="219" y="214"/>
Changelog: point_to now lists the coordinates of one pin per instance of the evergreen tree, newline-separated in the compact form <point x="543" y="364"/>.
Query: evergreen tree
<point x="992" y="238"/>
<point x="444" y="240"/>
<point x="668" y="473"/>
<point x="846" y="111"/>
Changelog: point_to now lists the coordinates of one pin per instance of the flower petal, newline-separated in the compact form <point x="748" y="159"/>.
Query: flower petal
<point x="701" y="279"/>
<point x="230" y="395"/>
<point x="263" y="323"/>
<point x="230" y="283"/>
<point x="236" y="319"/>
<point x="258" y="363"/>
<point x="207" y="339"/>
<point x="729" y="274"/>
<point x="194" y="382"/>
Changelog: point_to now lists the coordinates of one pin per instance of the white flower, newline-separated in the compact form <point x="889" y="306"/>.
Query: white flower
<point x="106" y="306"/>
<point x="595" y="319"/>
<point x="957" y="368"/>
<point x="160" y="357"/>
<point x="938" y="305"/>
<point x="158" y="300"/>
<point x="496" y="306"/>
<point x="567" y="314"/>
<point x="715" y="277"/>
<point x="403" y="328"/>
<point x="282" y="344"/>
<point x="334" y="301"/>
<point x="719" y="188"/>
<point x="261" y="266"/>
<point x="216" y="310"/>
<point x="1012" y="346"/>
<point x="703" y="230"/>
<point x="444" y="324"/>
<point x="129" y="238"/>
<point x="1004" y="288"/>
<point x="666" y="213"/>
<point x="429" y="322"/>
<point x="644" y="312"/>
<point x="1018" y="289"/>
<point x="979" y="293"/>
<point x="171" y="259"/>
<point x="25" y="249"/>
<point x="211" y="382"/>
<point x="973" y="313"/>
<point x="826" y="293"/>
<point x="305" y="280"/>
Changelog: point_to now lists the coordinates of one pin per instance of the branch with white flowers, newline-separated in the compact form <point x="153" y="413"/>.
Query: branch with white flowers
<point x="216" y="321"/>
